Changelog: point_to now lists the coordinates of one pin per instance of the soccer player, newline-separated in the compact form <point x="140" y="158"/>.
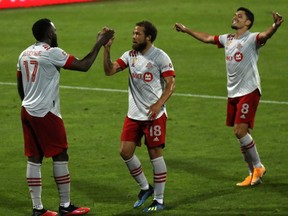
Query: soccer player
<point x="38" y="74"/>
<point x="243" y="81"/>
<point x="151" y="83"/>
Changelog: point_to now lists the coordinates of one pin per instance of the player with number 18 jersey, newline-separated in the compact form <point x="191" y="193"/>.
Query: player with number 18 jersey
<point x="146" y="81"/>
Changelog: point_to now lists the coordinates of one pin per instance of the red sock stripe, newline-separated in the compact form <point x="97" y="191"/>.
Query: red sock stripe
<point x="160" y="177"/>
<point x="246" y="147"/>
<point x="136" y="172"/>
<point x="63" y="179"/>
<point x="34" y="182"/>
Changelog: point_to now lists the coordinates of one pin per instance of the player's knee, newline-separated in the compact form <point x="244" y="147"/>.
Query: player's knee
<point x="63" y="156"/>
<point x="126" y="155"/>
<point x="239" y="132"/>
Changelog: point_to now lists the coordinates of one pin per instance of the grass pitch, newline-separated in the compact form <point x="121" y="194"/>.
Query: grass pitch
<point x="202" y="155"/>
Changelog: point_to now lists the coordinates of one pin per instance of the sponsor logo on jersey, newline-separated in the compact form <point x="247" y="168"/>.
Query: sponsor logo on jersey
<point x="147" y="76"/>
<point x="238" y="56"/>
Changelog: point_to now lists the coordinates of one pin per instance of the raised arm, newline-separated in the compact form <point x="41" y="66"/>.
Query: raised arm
<point x="84" y="64"/>
<point x="264" y="36"/>
<point x="201" y="36"/>
<point x="110" y="67"/>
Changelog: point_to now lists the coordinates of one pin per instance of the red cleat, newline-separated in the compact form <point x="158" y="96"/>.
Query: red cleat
<point x="73" y="210"/>
<point x="43" y="212"/>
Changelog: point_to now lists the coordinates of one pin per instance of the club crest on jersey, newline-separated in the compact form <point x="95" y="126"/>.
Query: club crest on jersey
<point x="149" y="65"/>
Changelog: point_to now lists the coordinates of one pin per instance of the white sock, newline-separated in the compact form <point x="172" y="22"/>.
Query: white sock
<point x="135" y="168"/>
<point x="62" y="179"/>
<point x="34" y="181"/>
<point x="160" y="174"/>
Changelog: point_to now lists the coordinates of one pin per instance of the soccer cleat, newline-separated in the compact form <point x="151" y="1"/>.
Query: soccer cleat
<point x="246" y="182"/>
<point x="73" y="210"/>
<point x="155" y="206"/>
<point x="143" y="195"/>
<point x="258" y="173"/>
<point x="43" y="212"/>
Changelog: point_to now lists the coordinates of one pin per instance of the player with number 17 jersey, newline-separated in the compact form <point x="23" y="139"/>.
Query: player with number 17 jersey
<point x="146" y="81"/>
<point x="40" y="67"/>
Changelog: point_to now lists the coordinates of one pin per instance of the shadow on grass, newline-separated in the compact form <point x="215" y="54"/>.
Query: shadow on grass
<point x="183" y="203"/>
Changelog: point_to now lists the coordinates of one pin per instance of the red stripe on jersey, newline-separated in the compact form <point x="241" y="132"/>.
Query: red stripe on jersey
<point x="121" y="63"/>
<point x="216" y="38"/>
<point x="18" y="74"/>
<point x="168" y="73"/>
<point x="69" y="62"/>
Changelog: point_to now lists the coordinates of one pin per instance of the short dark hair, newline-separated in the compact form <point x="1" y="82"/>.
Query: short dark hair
<point x="40" y="28"/>
<point x="149" y="29"/>
<point x="249" y="15"/>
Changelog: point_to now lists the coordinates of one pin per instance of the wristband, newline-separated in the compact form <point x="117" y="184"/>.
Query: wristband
<point x="274" y="26"/>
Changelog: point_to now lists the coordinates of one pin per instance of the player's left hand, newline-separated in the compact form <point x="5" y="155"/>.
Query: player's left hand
<point x="154" y="109"/>
<point x="278" y="19"/>
<point x="179" y="27"/>
<point x="105" y="35"/>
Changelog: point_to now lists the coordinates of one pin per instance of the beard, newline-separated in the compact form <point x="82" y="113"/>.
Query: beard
<point x="139" y="47"/>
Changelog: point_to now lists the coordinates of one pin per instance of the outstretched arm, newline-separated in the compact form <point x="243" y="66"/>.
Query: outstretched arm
<point x="264" y="36"/>
<point x="84" y="64"/>
<point x="201" y="36"/>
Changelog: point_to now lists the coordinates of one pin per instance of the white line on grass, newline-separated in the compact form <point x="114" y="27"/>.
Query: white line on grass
<point x="176" y="94"/>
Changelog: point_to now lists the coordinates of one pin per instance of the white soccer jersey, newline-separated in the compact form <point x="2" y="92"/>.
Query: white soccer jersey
<point x="40" y="67"/>
<point x="146" y="82"/>
<point x="241" y="62"/>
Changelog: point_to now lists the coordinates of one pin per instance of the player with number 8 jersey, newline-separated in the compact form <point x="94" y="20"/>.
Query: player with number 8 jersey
<point x="243" y="81"/>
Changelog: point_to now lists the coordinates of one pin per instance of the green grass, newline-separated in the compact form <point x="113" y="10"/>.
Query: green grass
<point x="202" y="155"/>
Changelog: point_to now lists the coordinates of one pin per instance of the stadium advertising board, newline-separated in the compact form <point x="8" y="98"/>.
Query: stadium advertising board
<point x="35" y="3"/>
